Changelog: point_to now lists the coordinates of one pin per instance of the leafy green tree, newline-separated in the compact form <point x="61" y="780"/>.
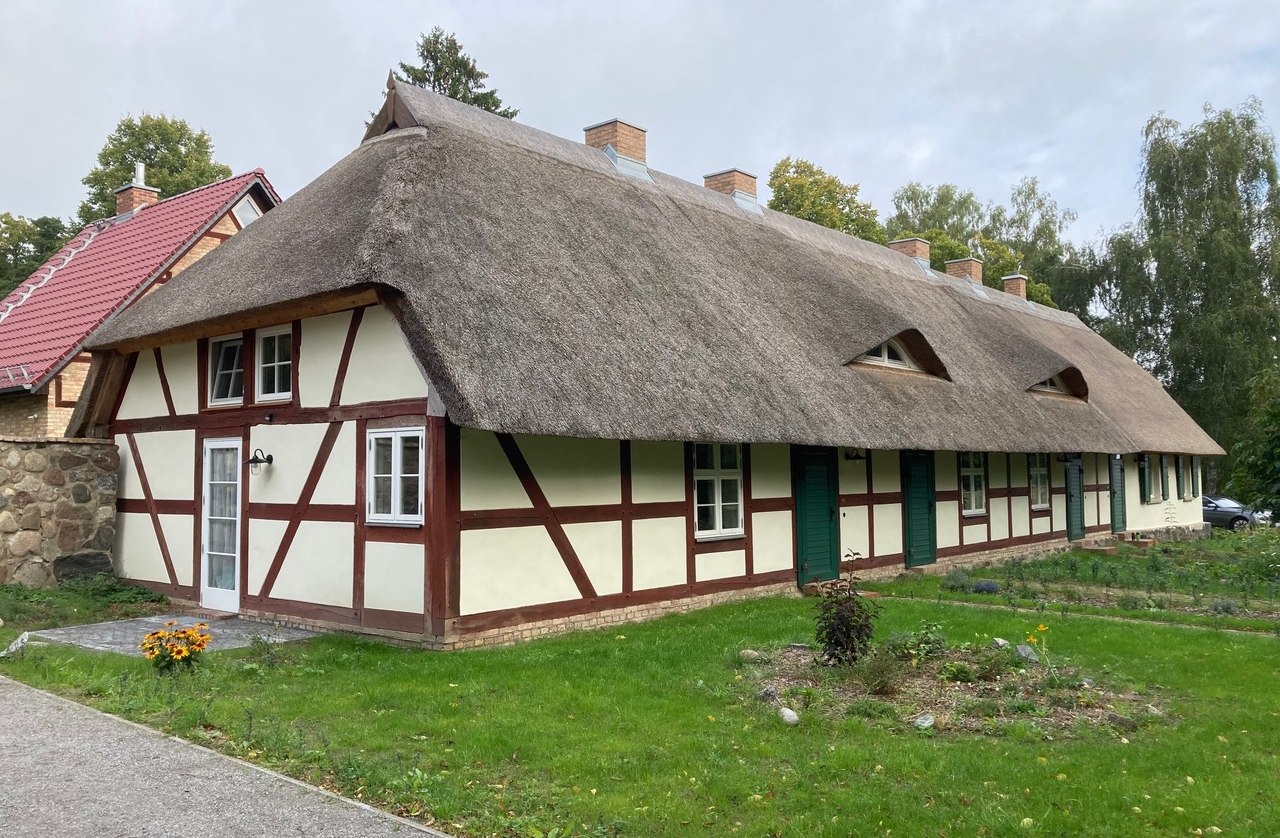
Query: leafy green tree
<point x="807" y="191"/>
<point x="25" y="244"/>
<point x="178" y="159"/>
<point x="947" y="207"/>
<point x="1255" y="478"/>
<point x="1191" y="289"/>
<point x="445" y="69"/>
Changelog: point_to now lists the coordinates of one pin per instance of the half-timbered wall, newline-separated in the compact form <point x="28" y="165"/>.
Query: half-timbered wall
<point x="554" y="526"/>
<point x="306" y="550"/>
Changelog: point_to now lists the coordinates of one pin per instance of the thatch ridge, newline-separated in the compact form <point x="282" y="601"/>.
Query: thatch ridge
<point x="544" y="292"/>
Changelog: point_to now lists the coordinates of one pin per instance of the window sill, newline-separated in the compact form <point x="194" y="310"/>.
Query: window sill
<point x="978" y="514"/>
<point x="1041" y="508"/>
<point x="399" y="524"/>
<point x="724" y="536"/>
<point x="222" y="405"/>
<point x="274" y="398"/>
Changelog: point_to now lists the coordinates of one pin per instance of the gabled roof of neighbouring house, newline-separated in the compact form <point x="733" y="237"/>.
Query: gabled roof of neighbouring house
<point x="544" y="291"/>
<point x="45" y="321"/>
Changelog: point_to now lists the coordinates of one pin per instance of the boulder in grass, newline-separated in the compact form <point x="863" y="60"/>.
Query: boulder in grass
<point x="748" y="656"/>
<point x="1026" y="653"/>
<point x="999" y="643"/>
<point x="790" y="717"/>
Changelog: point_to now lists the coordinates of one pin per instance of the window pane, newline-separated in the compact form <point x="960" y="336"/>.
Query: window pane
<point x="222" y="500"/>
<point x="728" y="456"/>
<point x="706" y="518"/>
<point x="222" y="465"/>
<point x="891" y="353"/>
<point x="703" y="456"/>
<point x="268" y="379"/>
<point x="729" y="518"/>
<point x="236" y="388"/>
<point x="222" y="536"/>
<point x="382" y="454"/>
<point x="284" y="377"/>
<point x="706" y="491"/>
<point x="269" y="350"/>
<point x="409" y="449"/>
<point x="221" y="572"/>
<point x="382" y="495"/>
<point x="729" y="490"/>
<point x="409" y="495"/>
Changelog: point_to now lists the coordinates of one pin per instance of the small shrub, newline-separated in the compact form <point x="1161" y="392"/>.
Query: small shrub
<point x="171" y="647"/>
<point x="957" y="580"/>
<point x="1224" y="607"/>
<point x="1130" y="602"/>
<point x="845" y="623"/>
<point x="984" y="708"/>
<point x="878" y="672"/>
<point x="1022" y="706"/>
<point x="992" y="663"/>
<point x="986" y="586"/>
<point x="958" y="672"/>
<point x="915" y="646"/>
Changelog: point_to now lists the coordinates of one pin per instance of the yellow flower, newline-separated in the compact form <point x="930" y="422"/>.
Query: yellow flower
<point x="1032" y="639"/>
<point x="180" y="653"/>
<point x="1042" y="627"/>
<point x="151" y="654"/>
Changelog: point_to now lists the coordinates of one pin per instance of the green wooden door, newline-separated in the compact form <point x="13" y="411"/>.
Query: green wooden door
<point x="1118" y="521"/>
<point x="1075" y="497"/>
<point x="816" y="478"/>
<point x="919" y="517"/>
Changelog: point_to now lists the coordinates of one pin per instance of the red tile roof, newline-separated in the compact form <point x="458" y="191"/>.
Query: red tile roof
<point x="45" y="320"/>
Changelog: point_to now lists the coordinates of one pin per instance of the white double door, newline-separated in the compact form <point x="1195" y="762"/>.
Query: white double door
<point x="220" y="526"/>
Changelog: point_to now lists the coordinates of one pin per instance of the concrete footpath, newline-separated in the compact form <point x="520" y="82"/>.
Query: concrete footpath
<point x="68" y="770"/>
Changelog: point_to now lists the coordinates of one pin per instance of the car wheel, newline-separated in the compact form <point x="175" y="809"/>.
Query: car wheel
<point x="1239" y="524"/>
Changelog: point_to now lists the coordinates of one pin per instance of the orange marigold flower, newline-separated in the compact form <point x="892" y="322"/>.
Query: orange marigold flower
<point x="1042" y="627"/>
<point x="1032" y="639"/>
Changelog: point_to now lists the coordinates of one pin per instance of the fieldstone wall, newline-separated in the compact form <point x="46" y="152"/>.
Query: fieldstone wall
<point x="57" y="509"/>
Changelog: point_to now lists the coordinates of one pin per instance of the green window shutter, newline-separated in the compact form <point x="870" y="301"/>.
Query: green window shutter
<point x="1195" y="477"/>
<point x="1144" y="478"/>
<point x="1164" y="477"/>
<point x="1181" y="472"/>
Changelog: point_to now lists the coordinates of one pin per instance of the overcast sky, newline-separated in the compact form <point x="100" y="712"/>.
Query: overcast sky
<point x="974" y="93"/>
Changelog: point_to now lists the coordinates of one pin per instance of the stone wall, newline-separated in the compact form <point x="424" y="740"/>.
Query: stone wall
<point x="57" y="508"/>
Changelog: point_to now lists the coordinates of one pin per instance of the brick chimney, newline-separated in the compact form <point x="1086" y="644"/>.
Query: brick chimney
<point x="967" y="268"/>
<point x="916" y="248"/>
<point x="730" y="181"/>
<point x="627" y="139"/>
<point x="131" y="196"/>
<point x="1015" y="284"/>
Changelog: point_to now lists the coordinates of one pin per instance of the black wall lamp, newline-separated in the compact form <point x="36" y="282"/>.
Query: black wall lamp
<point x="258" y="460"/>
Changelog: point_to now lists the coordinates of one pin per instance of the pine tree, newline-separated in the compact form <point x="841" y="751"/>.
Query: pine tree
<point x="447" y="70"/>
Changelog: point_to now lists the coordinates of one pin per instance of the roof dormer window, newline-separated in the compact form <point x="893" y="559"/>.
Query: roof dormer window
<point x="246" y="212"/>
<point x="1052" y="384"/>
<point x="890" y="354"/>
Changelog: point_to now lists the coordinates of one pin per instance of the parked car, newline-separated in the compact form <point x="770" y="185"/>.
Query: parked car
<point x="1225" y="512"/>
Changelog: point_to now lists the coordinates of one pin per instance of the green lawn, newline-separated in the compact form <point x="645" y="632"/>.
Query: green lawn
<point x="80" y="601"/>
<point x="654" y="729"/>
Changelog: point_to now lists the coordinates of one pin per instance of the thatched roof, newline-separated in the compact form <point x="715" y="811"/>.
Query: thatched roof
<point x="546" y="293"/>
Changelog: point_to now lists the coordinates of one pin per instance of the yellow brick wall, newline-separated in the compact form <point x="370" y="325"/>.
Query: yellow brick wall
<point x="24" y="416"/>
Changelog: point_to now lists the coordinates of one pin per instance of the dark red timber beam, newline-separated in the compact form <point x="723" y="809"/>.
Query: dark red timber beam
<point x="554" y="528"/>
<point x="152" y="510"/>
<point x="300" y="511"/>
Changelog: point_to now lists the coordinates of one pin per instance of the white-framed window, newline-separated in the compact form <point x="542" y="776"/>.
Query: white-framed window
<point x="973" y="483"/>
<point x="275" y="364"/>
<point x="717" y="490"/>
<point x="891" y="353"/>
<point x="246" y="211"/>
<point x="226" y="370"/>
<point x="393" y="482"/>
<point x="1038" y="480"/>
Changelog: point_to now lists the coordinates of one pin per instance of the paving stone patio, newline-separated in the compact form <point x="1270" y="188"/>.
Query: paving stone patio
<point x="123" y="636"/>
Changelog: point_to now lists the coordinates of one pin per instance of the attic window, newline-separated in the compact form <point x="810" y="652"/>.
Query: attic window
<point x="890" y="354"/>
<point x="1052" y="384"/>
<point x="246" y="212"/>
<point x="1070" y="383"/>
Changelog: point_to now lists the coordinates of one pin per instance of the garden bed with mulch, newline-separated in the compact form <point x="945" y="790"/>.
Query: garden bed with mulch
<point x="963" y="689"/>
